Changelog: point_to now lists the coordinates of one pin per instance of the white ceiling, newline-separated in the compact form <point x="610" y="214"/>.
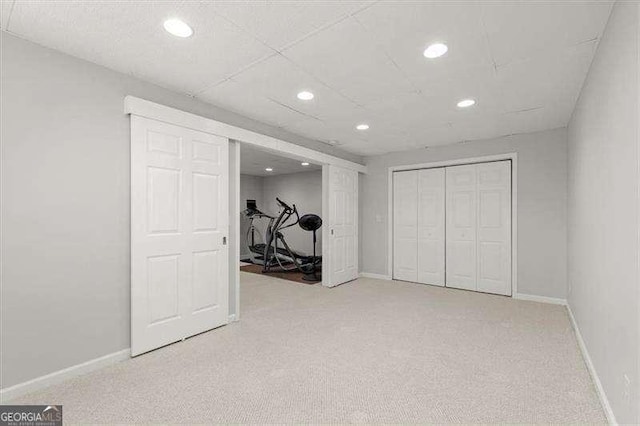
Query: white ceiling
<point x="523" y="61"/>
<point x="254" y="161"/>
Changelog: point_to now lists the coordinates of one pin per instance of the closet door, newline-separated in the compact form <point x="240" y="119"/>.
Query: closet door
<point x="461" y="244"/>
<point x="431" y="226"/>
<point x="405" y="225"/>
<point x="494" y="227"/>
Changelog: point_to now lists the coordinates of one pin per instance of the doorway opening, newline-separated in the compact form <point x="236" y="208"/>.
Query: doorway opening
<point x="280" y="216"/>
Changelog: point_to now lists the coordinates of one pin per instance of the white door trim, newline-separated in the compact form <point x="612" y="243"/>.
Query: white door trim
<point x="148" y="109"/>
<point x="513" y="156"/>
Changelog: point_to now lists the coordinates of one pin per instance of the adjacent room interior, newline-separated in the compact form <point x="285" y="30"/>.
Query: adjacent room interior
<point x="280" y="195"/>
<point x="320" y="212"/>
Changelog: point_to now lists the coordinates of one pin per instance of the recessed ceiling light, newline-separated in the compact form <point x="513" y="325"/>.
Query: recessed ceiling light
<point x="304" y="164"/>
<point x="178" y="28"/>
<point x="466" y="103"/>
<point x="305" y="96"/>
<point x="435" y="50"/>
<point x="269" y="169"/>
<point x="362" y="126"/>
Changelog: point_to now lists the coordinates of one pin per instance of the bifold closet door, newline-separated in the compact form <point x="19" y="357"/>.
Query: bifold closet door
<point x="431" y="226"/>
<point x="494" y="227"/>
<point x="405" y="226"/>
<point x="478" y="253"/>
<point x="461" y="250"/>
<point x="179" y="228"/>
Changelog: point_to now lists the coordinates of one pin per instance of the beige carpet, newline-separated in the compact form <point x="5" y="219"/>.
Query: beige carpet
<point x="369" y="352"/>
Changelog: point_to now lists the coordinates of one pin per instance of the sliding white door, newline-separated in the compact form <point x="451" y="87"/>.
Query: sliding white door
<point x="461" y="258"/>
<point x="405" y="229"/>
<point x="342" y="226"/>
<point x="179" y="227"/>
<point x="494" y="227"/>
<point x="431" y="226"/>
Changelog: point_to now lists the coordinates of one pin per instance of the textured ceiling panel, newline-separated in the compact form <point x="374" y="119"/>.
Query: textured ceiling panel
<point x="5" y="12"/>
<point x="282" y="23"/>
<point x="523" y="62"/>
<point x="254" y="161"/>
<point x="522" y="29"/>
<point x="345" y="59"/>
<point x="130" y="38"/>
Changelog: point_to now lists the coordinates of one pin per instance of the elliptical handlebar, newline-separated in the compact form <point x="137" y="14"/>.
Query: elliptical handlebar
<point x="285" y="205"/>
<point x="287" y="212"/>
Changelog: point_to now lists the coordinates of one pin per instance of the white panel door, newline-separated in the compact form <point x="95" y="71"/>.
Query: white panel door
<point x="494" y="227"/>
<point x="431" y="226"/>
<point x="405" y="226"/>
<point x="461" y="230"/>
<point x="179" y="226"/>
<point x="343" y="226"/>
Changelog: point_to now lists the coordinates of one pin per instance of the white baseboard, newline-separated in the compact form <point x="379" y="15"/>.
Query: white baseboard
<point x="376" y="276"/>
<point x="541" y="299"/>
<point x="592" y="370"/>
<point x="41" y="382"/>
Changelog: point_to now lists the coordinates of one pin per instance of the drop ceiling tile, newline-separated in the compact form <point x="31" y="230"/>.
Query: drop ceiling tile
<point x="282" y="23"/>
<point x="554" y="78"/>
<point x="5" y="12"/>
<point x="316" y="129"/>
<point x="457" y="24"/>
<point x="523" y="29"/>
<point x="253" y="161"/>
<point x="485" y="126"/>
<point x="281" y="80"/>
<point x="365" y="149"/>
<point x="551" y="116"/>
<point x="438" y="135"/>
<point x="136" y="43"/>
<point x="438" y="105"/>
<point x="345" y="59"/>
<point x="422" y="137"/>
<point x="233" y="96"/>
<point x="364" y="64"/>
<point x="349" y="138"/>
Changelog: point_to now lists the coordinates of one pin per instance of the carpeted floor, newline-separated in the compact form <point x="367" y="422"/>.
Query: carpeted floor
<point x="367" y="352"/>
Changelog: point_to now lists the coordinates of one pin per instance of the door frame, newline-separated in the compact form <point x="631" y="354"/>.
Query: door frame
<point x="237" y="135"/>
<point x="513" y="156"/>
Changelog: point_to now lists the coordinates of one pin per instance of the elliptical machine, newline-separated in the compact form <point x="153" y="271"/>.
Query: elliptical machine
<point x="275" y="255"/>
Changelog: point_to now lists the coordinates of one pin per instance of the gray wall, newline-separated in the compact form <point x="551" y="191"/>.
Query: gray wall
<point x="251" y="188"/>
<point x="65" y="207"/>
<point x="305" y="191"/>
<point x="604" y="283"/>
<point x="542" y="183"/>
